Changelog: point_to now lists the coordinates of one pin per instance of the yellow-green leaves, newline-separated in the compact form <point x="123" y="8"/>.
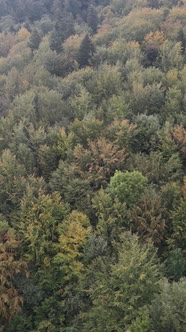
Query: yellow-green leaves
<point x="127" y="186"/>
<point x="39" y="218"/>
<point x="74" y="235"/>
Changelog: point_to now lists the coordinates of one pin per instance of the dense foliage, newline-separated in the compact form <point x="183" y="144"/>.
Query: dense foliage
<point x="93" y="165"/>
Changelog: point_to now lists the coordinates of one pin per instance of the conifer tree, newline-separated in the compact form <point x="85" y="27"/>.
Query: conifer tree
<point x="153" y="3"/>
<point x="34" y="40"/>
<point x="181" y="38"/>
<point x="62" y="30"/>
<point x="86" y="52"/>
<point x="55" y="42"/>
<point x="92" y="18"/>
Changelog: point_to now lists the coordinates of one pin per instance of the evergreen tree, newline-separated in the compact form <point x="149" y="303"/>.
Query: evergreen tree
<point x="92" y="18"/>
<point x="34" y="40"/>
<point x="86" y="52"/>
<point x="151" y="55"/>
<point x="181" y="38"/>
<point x="121" y="290"/>
<point x="153" y="3"/>
<point x="167" y="310"/>
<point x="56" y="41"/>
<point x="64" y="27"/>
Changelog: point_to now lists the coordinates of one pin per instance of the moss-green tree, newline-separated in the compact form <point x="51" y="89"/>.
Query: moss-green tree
<point x="121" y="290"/>
<point x="34" y="40"/>
<point x="86" y="52"/>
<point x="127" y="186"/>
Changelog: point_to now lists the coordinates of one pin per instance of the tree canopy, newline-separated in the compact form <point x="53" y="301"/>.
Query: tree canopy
<point x="92" y="165"/>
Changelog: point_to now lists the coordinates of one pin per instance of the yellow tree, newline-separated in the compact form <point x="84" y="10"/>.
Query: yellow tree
<point x="155" y="38"/>
<point x="39" y="217"/>
<point x="74" y="235"/>
<point x="23" y="34"/>
<point x="70" y="264"/>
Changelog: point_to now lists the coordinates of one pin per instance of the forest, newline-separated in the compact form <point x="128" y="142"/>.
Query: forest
<point x="92" y="166"/>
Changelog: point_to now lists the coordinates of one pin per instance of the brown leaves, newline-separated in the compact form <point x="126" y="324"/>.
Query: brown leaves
<point x="148" y="218"/>
<point x="155" y="38"/>
<point x="179" y="134"/>
<point x="184" y="188"/>
<point x="99" y="161"/>
<point x="10" y="301"/>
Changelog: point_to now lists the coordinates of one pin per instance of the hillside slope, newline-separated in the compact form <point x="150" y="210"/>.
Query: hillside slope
<point x="93" y="165"/>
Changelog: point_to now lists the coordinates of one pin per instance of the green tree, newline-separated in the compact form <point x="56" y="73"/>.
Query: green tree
<point x="151" y="55"/>
<point x="11" y="182"/>
<point x="178" y="237"/>
<point x="86" y="52"/>
<point x="175" y="264"/>
<point x="157" y="168"/>
<point x="56" y="41"/>
<point x="127" y="186"/>
<point x="34" y="40"/>
<point x="171" y="55"/>
<point x="39" y="218"/>
<point x="63" y="28"/>
<point x="153" y="3"/>
<point x="111" y="218"/>
<point x="106" y="83"/>
<point x="146" y="133"/>
<point x="92" y="18"/>
<point x="121" y="290"/>
<point x="168" y="309"/>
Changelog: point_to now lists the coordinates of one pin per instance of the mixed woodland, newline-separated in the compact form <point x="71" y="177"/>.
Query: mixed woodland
<point x="92" y="166"/>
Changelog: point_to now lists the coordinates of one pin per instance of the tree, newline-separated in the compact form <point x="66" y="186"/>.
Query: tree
<point x="13" y="84"/>
<point x="74" y="235"/>
<point x="74" y="189"/>
<point x="179" y="134"/>
<point x="70" y="264"/>
<point x="63" y="28"/>
<point x="171" y="55"/>
<point x="168" y="311"/>
<point x="39" y="218"/>
<point x="178" y="237"/>
<point x="7" y="41"/>
<point x="22" y="34"/>
<point x="10" y="266"/>
<point x="181" y="38"/>
<point x="106" y="83"/>
<point x="149" y="98"/>
<point x="34" y="40"/>
<point x="86" y="52"/>
<point x="147" y="219"/>
<point x="127" y="186"/>
<point x="153" y="3"/>
<point x="99" y="161"/>
<point x="120" y="290"/>
<point x="158" y="168"/>
<point x="146" y="134"/>
<point x="11" y="184"/>
<point x="175" y="264"/>
<point x="110" y="218"/>
<point x="56" y="42"/>
<point x="92" y="18"/>
<point x="151" y="55"/>
<point x="80" y="105"/>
